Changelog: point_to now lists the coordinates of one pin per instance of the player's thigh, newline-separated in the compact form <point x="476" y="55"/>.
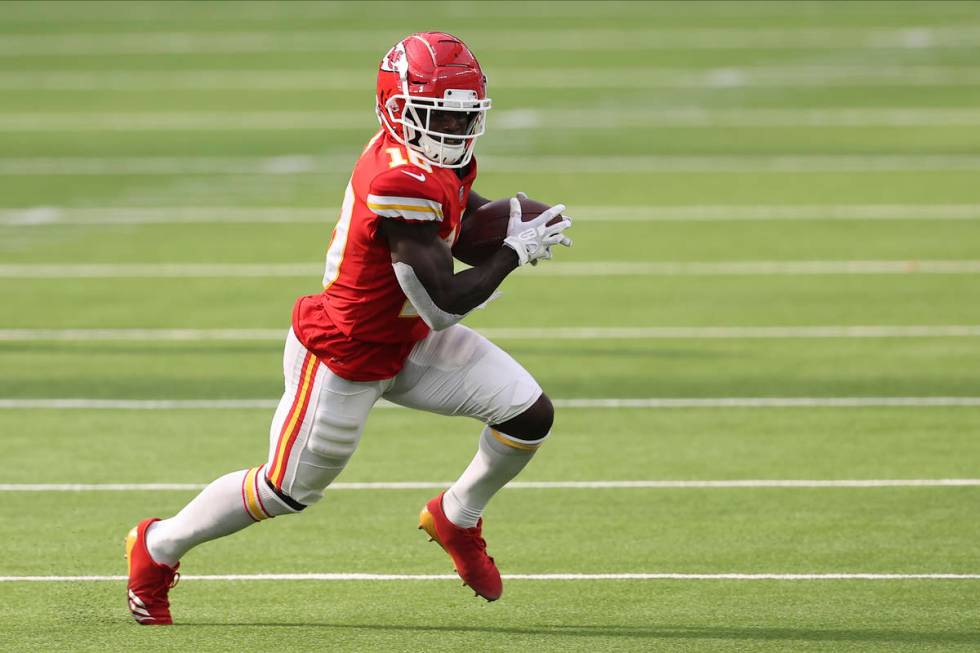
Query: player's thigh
<point x="294" y="359"/>
<point x="317" y="425"/>
<point x="459" y="372"/>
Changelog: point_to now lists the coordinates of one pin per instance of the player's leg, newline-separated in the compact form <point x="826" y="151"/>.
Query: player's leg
<point x="459" y="372"/>
<point x="226" y="505"/>
<point x="315" y="430"/>
<point x="504" y="450"/>
<point x="305" y="456"/>
<point x="240" y="498"/>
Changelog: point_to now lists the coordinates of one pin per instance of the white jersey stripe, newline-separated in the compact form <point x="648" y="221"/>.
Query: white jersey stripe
<point x="391" y="211"/>
<point x="397" y="204"/>
<point x="419" y="202"/>
<point x="335" y="253"/>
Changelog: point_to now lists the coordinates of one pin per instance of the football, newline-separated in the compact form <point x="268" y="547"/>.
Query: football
<point x="483" y="232"/>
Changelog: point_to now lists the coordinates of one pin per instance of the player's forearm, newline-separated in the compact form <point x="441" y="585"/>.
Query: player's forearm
<point x="466" y="290"/>
<point x="473" y="202"/>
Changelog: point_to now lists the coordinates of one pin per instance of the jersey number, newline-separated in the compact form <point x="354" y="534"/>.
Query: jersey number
<point x="397" y="156"/>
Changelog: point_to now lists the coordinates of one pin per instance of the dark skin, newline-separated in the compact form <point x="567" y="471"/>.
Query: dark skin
<point x="450" y="122"/>
<point x="419" y="246"/>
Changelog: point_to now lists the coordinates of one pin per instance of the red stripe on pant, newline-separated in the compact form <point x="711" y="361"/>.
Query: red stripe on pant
<point x="294" y="420"/>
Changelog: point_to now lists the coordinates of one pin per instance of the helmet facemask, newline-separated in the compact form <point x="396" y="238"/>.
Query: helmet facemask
<point x="416" y="115"/>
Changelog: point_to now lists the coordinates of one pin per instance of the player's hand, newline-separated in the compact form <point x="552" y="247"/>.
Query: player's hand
<point x="533" y="240"/>
<point x="567" y="242"/>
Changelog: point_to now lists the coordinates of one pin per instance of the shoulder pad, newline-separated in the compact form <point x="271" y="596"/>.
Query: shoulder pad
<point x="406" y="192"/>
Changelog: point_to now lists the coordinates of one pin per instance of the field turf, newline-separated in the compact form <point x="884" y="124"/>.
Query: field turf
<point x="832" y="150"/>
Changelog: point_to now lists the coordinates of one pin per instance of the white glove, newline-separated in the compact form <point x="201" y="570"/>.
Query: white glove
<point x="532" y="240"/>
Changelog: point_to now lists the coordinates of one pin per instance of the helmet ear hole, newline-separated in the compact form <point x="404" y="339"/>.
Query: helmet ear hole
<point x="392" y="107"/>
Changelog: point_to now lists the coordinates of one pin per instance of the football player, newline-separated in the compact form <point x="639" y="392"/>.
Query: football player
<point x="387" y="325"/>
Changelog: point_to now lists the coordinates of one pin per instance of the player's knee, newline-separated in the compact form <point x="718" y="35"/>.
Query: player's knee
<point x="274" y="501"/>
<point x="302" y="495"/>
<point x="534" y="423"/>
<point x="334" y="438"/>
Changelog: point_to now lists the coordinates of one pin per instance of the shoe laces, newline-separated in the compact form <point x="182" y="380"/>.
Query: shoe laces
<point x="475" y="537"/>
<point x="169" y="582"/>
<point x="480" y="544"/>
<point x="157" y="592"/>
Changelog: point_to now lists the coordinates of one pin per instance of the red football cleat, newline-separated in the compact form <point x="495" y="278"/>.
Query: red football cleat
<point x="149" y="581"/>
<point x="466" y="547"/>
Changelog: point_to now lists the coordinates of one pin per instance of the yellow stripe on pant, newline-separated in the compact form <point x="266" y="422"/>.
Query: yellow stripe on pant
<point x="513" y="443"/>
<point x="250" y="492"/>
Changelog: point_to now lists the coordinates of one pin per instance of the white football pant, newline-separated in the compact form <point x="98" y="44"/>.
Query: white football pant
<point x="319" y="421"/>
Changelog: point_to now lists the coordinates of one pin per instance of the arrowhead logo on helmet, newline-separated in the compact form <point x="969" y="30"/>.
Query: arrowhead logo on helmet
<point x="432" y="97"/>
<point x="394" y="61"/>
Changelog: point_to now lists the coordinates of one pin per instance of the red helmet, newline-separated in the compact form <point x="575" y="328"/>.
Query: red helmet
<point x="427" y="72"/>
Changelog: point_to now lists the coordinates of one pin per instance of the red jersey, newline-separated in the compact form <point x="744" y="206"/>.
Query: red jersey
<point x="362" y="326"/>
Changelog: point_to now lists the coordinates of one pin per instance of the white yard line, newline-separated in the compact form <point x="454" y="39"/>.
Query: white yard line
<point x="515" y="119"/>
<point x="734" y="212"/>
<point x="55" y="215"/>
<point x="699" y="117"/>
<point x="206" y="19"/>
<point x="634" y="78"/>
<point x="732" y="163"/>
<point x="158" y="270"/>
<point x="537" y="577"/>
<point x="146" y="404"/>
<point x="296" y="164"/>
<point x="738" y="268"/>
<point x="555" y="269"/>
<point x="45" y="215"/>
<point x="141" y="335"/>
<point x="525" y="485"/>
<point x="651" y="402"/>
<point x="204" y="165"/>
<point x="769" y="402"/>
<point x="640" y="333"/>
<point x="515" y="333"/>
<point x="121" y="43"/>
<point x="193" y="121"/>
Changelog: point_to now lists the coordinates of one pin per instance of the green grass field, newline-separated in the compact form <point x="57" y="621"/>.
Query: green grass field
<point x="169" y="176"/>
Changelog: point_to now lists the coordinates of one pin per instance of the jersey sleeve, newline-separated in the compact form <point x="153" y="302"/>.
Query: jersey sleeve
<point x="406" y="193"/>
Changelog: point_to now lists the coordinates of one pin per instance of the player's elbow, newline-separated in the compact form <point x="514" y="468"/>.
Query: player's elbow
<point x="428" y="302"/>
<point x="435" y="307"/>
<point x="433" y="311"/>
<point x="439" y="320"/>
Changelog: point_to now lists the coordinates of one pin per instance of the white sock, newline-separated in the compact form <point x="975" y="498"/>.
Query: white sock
<point x="227" y="505"/>
<point x="499" y="459"/>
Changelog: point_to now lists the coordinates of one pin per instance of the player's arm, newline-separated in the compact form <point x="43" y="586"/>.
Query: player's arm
<point x="423" y="264"/>
<point x="473" y="202"/>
